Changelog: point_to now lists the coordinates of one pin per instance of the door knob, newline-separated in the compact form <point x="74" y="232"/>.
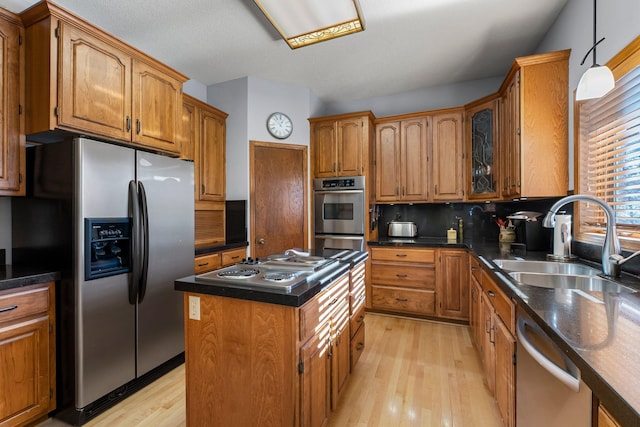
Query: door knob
<point x="261" y="241"/>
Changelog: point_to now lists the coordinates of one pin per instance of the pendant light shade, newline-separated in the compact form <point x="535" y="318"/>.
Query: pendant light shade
<point x="598" y="79"/>
<point x="596" y="82"/>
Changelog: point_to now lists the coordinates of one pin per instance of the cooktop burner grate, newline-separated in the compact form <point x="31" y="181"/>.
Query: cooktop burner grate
<point x="239" y="273"/>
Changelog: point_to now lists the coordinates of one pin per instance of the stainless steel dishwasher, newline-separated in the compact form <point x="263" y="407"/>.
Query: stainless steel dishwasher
<point x="549" y="391"/>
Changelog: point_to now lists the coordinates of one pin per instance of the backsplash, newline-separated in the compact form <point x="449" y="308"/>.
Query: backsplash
<point x="433" y="220"/>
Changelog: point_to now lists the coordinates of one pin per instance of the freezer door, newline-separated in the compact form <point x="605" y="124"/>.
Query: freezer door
<point x="105" y="333"/>
<point x="168" y="185"/>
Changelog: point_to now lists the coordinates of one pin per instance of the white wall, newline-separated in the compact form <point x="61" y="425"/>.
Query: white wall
<point x="196" y="89"/>
<point x="232" y="97"/>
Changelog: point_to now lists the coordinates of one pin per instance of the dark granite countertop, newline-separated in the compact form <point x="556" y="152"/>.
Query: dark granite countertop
<point x="598" y="331"/>
<point x="15" y="276"/>
<point x="297" y="297"/>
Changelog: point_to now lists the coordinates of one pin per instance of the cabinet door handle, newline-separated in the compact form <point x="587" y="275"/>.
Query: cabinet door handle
<point x="487" y="327"/>
<point x="12" y="307"/>
<point x="401" y="255"/>
<point x="128" y="124"/>
<point x="138" y="126"/>
<point x="491" y="294"/>
<point x="360" y="319"/>
<point x="401" y="276"/>
<point x="402" y="299"/>
<point x="203" y="264"/>
<point x="235" y="257"/>
<point x="335" y="300"/>
<point x="360" y="346"/>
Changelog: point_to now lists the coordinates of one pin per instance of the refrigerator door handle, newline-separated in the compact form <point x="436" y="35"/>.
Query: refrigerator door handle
<point x="144" y="233"/>
<point x="134" y="213"/>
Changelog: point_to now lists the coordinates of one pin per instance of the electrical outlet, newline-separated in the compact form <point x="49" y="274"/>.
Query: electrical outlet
<point x="194" y="307"/>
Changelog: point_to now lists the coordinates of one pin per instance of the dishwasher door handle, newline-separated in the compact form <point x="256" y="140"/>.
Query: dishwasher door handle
<point x="569" y="377"/>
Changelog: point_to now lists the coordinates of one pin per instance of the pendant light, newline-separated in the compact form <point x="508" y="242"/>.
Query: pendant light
<point x="598" y="79"/>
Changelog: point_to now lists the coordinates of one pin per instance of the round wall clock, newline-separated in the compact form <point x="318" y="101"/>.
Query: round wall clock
<point x="279" y="125"/>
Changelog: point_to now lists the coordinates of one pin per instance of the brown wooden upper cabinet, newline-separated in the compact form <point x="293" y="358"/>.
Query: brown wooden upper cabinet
<point x="481" y="160"/>
<point x="447" y="161"/>
<point x="340" y="145"/>
<point x="81" y="79"/>
<point x="402" y="158"/>
<point x="12" y="143"/>
<point x="534" y="127"/>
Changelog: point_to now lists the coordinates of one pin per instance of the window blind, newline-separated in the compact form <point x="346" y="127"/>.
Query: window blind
<point x="609" y="161"/>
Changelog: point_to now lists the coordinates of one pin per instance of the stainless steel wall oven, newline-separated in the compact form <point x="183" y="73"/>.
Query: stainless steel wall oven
<point x="339" y="212"/>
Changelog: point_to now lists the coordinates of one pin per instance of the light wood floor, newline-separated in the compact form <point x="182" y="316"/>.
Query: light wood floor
<point x="412" y="373"/>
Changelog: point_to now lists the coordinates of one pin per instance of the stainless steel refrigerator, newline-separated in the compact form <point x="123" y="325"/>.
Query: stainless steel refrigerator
<point x="118" y="223"/>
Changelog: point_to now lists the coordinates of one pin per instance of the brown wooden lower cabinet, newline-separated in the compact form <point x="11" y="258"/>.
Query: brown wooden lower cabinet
<point x="27" y="351"/>
<point x="493" y="326"/>
<point x="213" y="261"/>
<point x="427" y="282"/>
<point x="255" y="363"/>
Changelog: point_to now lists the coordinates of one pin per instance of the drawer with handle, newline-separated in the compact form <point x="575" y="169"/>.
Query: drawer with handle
<point x="16" y="304"/>
<point x="205" y="263"/>
<point x="413" y="276"/>
<point x="403" y="300"/>
<point x="397" y="254"/>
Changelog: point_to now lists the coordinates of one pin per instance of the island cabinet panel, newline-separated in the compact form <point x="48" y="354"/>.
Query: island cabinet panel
<point x="260" y="364"/>
<point x="241" y="363"/>
<point x="83" y="80"/>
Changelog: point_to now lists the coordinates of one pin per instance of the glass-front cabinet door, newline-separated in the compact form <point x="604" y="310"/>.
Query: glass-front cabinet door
<point x="482" y="155"/>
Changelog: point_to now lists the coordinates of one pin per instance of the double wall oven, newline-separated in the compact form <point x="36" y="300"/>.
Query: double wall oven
<point x="339" y="212"/>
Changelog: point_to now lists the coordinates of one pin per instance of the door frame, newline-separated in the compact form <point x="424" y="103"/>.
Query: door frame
<point x="252" y="186"/>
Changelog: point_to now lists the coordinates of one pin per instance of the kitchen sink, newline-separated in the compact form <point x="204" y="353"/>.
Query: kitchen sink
<point x="549" y="267"/>
<point x="568" y="281"/>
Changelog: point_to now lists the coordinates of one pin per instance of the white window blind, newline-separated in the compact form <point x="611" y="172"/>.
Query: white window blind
<point x="609" y="161"/>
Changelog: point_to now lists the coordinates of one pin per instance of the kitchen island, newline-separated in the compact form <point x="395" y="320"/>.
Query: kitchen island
<point x="272" y="358"/>
<point x="598" y="331"/>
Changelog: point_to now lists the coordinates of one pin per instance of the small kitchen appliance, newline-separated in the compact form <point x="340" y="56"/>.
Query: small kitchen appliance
<point x="402" y="229"/>
<point x="529" y="230"/>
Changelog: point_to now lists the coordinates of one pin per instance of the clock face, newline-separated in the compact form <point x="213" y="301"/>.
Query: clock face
<point x="279" y="125"/>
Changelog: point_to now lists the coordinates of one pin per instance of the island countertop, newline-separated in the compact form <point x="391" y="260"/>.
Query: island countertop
<point x="296" y="298"/>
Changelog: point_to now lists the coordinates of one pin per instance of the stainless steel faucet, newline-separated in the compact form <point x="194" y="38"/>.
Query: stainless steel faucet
<point x="611" y="257"/>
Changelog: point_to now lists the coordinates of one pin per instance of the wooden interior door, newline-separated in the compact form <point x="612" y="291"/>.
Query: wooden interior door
<point x="279" y="197"/>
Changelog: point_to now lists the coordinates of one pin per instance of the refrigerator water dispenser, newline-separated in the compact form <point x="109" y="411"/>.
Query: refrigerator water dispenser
<point x="107" y="247"/>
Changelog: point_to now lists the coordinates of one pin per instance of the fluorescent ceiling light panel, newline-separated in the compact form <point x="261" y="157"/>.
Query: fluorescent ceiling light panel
<point x="305" y="22"/>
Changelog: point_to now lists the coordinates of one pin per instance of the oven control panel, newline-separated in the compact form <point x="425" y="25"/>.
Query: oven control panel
<point x="347" y="183"/>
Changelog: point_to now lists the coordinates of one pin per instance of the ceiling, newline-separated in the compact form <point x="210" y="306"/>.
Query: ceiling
<point x="407" y="45"/>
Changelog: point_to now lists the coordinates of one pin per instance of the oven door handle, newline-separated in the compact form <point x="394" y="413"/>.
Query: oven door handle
<point x="569" y="377"/>
<point x="339" y="192"/>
